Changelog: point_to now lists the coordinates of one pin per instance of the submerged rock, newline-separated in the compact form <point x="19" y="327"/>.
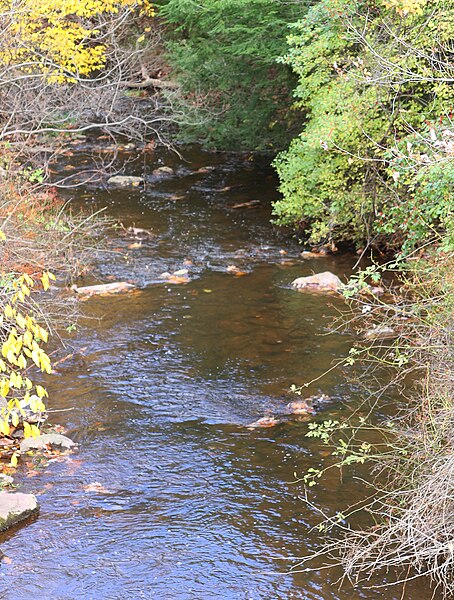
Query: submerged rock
<point x="235" y="271"/>
<point x="163" y="172"/>
<point x="139" y="231"/>
<point x="322" y="282"/>
<point x="310" y="254"/>
<point x="249" y="204"/>
<point x="104" y="289"/>
<point x="42" y="442"/>
<point x="180" y="276"/>
<point x="125" y="181"/>
<point x="264" y="423"/>
<point x="302" y="406"/>
<point x="15" y="507"/>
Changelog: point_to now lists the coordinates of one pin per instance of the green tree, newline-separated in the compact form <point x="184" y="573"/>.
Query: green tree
<point x="223" y="52"/>
<point x="373" y="162"/>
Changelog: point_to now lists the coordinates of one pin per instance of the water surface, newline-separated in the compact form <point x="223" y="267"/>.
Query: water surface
<point x="183" y="500"/>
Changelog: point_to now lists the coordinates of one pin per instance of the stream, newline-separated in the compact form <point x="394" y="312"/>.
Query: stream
<point x="171" y="495"/>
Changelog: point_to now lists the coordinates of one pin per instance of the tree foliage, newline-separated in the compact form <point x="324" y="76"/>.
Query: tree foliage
<point x="67" y="64"/>
<point x="375" y="158"/>
<point x="63" y="39"/>
<point x="224" y="54"/>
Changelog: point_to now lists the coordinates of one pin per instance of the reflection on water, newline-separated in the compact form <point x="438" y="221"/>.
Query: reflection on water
<point x="191" y="504"/>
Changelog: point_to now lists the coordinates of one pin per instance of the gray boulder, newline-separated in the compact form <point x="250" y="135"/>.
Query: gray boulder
<point x="321" y="282"/>
<point x="42" y="441"/>
<point x="15" y="507"/>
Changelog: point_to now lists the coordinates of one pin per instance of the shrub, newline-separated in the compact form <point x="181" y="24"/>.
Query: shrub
<point x="374" y="160"/>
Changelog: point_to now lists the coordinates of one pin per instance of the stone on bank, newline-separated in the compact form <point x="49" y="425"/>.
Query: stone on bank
<point x="15" y="507"/>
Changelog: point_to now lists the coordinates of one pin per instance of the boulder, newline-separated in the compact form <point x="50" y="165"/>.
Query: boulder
<point x="125" y="181"/>
<point x="42" y="442"/>
<point x="322" y="282"/>
<point x="15" y="507"/>
<point x="104" y="288"/>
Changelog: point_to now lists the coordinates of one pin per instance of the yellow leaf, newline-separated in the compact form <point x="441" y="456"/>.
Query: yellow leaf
<point x="27" y="430"/>
<point x="28" y="280"/>
<point x="40" y="406"/>
<point x="14" y="460"/>
<point x="28" y="338"/>
<point x="20" y="320"/>
<point x="2" y="236"/>
<point x="43" y="334"/>
<point x="21" y="362"/>
<point x="4" y="387"/>
<point x="45" y="281"/>
<point x="11" y="357"/>
<point x="35" y="357"/>
<point x="15" y="419"/>
<point x="41" y="391"/>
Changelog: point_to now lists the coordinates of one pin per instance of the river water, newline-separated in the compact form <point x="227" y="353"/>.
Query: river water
<point x="171" y="496"/>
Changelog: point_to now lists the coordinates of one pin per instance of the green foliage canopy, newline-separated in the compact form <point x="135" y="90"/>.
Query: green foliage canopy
<point x="373" y="162"/>
<point x="224" y="54"/>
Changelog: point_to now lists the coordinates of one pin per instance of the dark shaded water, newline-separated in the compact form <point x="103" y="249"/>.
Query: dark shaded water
<point x="193" y="505"/>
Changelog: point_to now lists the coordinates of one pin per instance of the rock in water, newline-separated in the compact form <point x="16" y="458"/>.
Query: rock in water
<point x="125" y="181"/>
<point x="41" y="442"/>
<point x="322" y="282"/>
<point x="163" y="172"/>
<point x="264" y="423"/>
<point x="15" y="507"/>
<point x="382" y="332"/>
<point x="104" y="289"/>
<point x="301" y="407"/>
<point x="180" y="276"/>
